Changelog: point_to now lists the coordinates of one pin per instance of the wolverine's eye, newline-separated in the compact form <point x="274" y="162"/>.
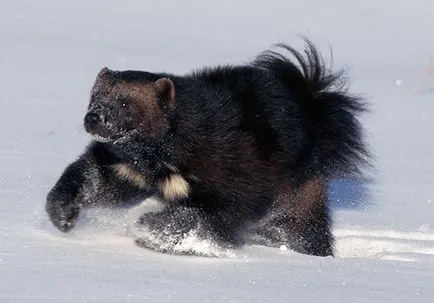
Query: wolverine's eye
<point x="124" y="101"/>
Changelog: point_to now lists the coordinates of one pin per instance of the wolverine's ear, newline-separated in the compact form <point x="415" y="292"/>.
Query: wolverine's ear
<point x="166" y="91"/>
<point x="103" y="80"/>
<point x="104" y="72"/>
<point x="104" y="77"/>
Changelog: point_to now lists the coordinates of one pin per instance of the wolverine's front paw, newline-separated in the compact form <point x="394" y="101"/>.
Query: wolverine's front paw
<point x="62" y="214"/>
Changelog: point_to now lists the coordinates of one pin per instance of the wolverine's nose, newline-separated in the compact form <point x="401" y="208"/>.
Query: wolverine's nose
<point x="91" y="120"/>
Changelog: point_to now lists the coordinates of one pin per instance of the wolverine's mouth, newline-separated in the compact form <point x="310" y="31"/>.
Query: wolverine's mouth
<point x="98" y="131"/>
<point x="101" y="139"/>
<point x="118" y="138"/>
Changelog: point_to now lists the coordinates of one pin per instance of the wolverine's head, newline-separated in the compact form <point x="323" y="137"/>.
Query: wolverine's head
<point x="126" y="103"/>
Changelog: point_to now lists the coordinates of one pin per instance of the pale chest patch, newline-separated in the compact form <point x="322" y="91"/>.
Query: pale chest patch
<point x="174" y="187"/>
<point x="129" y="173"/>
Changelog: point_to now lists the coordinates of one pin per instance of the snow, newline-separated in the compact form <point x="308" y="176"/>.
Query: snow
<point x="52" y="50"/>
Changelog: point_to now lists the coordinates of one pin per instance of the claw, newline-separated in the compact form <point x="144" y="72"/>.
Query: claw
<point x="64" y="225"/>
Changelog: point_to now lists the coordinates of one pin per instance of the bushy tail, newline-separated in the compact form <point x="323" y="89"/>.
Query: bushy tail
<point x="338" y="142"/>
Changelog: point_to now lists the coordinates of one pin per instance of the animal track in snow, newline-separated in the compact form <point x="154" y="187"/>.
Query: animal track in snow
<point x="384" y="244"/>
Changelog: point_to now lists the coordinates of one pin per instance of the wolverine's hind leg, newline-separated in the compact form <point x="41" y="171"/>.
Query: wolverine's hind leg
<point x="300" y="219"/>
<point x="308" y="221"/>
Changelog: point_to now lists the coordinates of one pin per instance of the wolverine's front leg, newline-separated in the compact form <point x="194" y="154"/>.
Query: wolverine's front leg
<point x="64" y="200"/>
<point x="96" y="178"/>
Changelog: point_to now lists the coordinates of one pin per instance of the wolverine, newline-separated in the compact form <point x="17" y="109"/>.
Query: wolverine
<point x="234" y="153"/>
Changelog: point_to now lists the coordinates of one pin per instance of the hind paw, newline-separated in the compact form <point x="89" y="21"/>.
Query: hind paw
<point x="179" y="232"/>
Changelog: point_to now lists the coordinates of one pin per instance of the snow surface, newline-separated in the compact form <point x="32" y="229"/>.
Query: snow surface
<point x="50" y="52"/>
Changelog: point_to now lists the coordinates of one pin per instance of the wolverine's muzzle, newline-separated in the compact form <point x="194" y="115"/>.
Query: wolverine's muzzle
<point x="91" y="120"/>
<point x="96" y="125"/>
